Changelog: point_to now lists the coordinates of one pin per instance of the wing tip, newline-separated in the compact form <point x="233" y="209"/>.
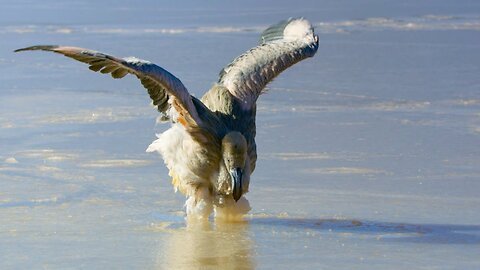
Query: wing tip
<point x="291" y="28"/>
<point x="37" y="47"/>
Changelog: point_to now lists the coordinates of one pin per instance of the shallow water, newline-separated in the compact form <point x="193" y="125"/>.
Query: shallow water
<point x="368" y="153"/>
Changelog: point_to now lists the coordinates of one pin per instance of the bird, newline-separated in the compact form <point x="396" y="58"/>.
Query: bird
<point x="210" y="148"/>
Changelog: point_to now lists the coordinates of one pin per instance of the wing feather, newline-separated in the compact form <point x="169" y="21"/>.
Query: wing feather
<point x="161" y="84"/>
<point x="281" y="46"/>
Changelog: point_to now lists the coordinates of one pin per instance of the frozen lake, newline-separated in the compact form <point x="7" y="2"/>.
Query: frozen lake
<point x="369" y="153"/>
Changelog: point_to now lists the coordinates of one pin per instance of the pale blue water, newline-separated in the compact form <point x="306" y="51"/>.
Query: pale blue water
<point x="369" y="153"/>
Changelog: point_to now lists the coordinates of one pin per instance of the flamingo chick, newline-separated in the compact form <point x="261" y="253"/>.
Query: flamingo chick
<point x="210" y="148"/>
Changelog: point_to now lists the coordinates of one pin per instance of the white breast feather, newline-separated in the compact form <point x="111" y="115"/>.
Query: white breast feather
<point x="177" y="149"/>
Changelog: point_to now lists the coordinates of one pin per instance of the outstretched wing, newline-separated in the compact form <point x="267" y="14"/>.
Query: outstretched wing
<point x="164" y="89"/>
<point x="281" y="46"/>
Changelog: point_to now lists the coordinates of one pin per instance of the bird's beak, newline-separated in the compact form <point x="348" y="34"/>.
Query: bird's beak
<point x="236" y="183"/>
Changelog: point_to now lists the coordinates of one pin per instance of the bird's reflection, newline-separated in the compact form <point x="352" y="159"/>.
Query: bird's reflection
<point x="201" y="245"/>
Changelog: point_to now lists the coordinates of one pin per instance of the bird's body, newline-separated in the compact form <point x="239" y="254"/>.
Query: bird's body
<point x="199" y="155"/>
<point x="210" y="149"/>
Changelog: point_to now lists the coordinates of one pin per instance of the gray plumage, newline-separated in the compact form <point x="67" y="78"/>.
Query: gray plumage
<point x="210" y="149"/>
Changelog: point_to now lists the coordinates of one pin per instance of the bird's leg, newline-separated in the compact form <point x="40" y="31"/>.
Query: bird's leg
<point x="199" y="203"/>
<point x="231" y="211"/>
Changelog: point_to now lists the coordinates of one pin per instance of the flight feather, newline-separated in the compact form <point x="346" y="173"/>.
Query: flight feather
<point x="160" y="84"/>
<point x="281" y="46"/>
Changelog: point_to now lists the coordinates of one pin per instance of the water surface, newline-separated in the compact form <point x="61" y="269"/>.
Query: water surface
<point x="368" y="153"/>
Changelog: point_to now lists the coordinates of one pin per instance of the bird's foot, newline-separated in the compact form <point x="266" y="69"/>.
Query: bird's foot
<point x="198" y="209"/>
<point x="231" y="211"/>
<point x="199" y="206"/>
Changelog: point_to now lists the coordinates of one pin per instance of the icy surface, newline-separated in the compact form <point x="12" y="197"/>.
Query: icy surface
<point x="369" y="153"/>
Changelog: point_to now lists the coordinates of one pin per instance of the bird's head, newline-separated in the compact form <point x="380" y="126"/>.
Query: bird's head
<point x="234" y="154"/>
